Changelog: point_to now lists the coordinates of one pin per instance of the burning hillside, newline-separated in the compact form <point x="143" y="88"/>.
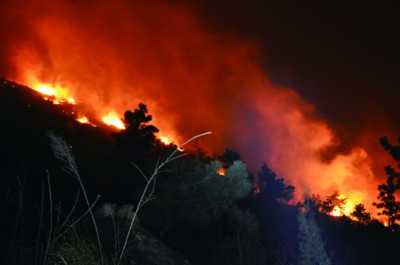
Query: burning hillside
<point x="107" y="57"/>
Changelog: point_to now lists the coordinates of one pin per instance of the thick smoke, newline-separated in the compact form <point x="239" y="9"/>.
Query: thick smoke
<point x="113" y="55"/>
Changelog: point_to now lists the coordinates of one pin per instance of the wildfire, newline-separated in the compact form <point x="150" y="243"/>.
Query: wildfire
<point x="348" y="208"/>
<point x="59" y="94"/>
<point x="165" y="140"/>
<point x="83" y="119"/>
<point x="345" y="210"/>
<point x="187" y="93"/>
<point x="336" y="212"/>
<point x="56" y="93"/>
<point x="113" y="119"/>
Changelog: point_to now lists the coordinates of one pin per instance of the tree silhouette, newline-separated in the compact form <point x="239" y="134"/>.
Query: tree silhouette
<point x="361" y="214"/>
<point x="273" y="188"/>
<point x="314" y="203"/>
<point x="137" y="139"/>
<point x="388" y="204"/>
<point x="136" y="123"/>
<point x="394" y="151"/>
<point x="228" y="157"/>
<point x="332" y="201"/>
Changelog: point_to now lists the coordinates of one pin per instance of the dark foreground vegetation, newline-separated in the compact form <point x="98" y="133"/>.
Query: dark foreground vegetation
<point x="71" y="193"/>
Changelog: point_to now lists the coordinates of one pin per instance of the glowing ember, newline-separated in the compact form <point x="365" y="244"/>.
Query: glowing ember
<point x="221" y="171"/>
<point x="113" y="119"/>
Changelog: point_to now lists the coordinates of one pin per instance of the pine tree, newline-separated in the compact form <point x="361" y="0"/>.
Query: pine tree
<point x="311" y="245"/>
<point x="332" y="201"/>
<point x="228" y="157"/>
<point x="138" y="137"/>
<point x="388" y="204"/>
<point x="361" y="214"/>
<point x="273" y="189"/>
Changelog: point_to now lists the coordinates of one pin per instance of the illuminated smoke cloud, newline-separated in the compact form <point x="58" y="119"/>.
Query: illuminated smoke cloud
<point x="113" y="55"/>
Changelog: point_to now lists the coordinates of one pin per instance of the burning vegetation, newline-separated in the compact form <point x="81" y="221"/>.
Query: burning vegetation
<point x="198" y="190"/>
<point x="190" y="78"/>
<point x="103" y="58"/>
<point x="341" y="205"/>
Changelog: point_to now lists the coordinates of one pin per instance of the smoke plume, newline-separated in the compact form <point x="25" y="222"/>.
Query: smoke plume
<point x="111" y="55"/>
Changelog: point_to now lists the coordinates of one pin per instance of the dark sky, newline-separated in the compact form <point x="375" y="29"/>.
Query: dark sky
<point x="342" y="56"/>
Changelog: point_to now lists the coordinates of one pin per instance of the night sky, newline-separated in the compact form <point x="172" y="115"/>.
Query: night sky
<point x="342" y="56"/>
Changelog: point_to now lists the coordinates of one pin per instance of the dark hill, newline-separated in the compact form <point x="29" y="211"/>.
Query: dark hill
<point x="26" y="118"/>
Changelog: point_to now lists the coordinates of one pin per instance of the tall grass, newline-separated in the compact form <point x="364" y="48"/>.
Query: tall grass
<point x="62" y="152"/>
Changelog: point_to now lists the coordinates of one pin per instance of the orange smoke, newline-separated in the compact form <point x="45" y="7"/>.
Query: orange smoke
<point x="113" y="55"/>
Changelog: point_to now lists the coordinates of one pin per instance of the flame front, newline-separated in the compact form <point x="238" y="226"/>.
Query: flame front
<point x="56" y="93"/>
<point x="59" y="94"/>
<point x="83" y="119"/>
<point x="113" y="119"/>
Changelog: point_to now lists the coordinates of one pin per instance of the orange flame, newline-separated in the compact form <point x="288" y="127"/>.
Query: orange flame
<point x="336" y="212"/>
<point x="83" y="119"/>
<point x="113" y="119"/>
<point x="165" y="140"/>
<point x="56" y="93"/>
<point x="221" y="171"/>
<point x="346" y="210"/>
